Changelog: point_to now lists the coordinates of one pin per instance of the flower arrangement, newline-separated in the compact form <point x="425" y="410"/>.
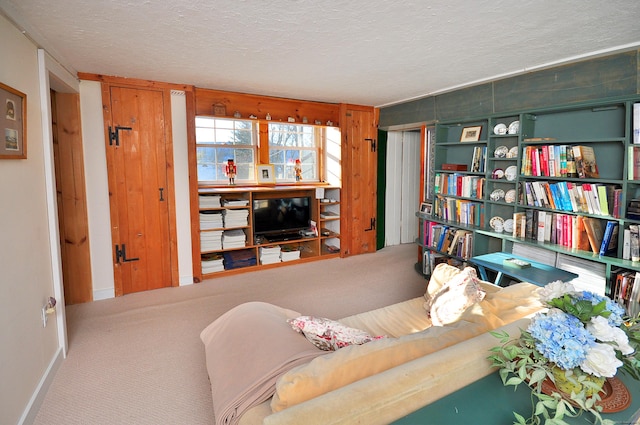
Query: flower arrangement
<point x="579" y="341"/>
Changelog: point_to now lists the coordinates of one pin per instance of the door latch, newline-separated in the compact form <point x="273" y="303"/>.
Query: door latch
<point x="114" y="135"/>
<point x="372" y="225"/>
<point x="373" y="144"/>
<point x="121" y="255"/>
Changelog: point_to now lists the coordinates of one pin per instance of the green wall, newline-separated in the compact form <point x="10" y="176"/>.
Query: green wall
<point x="590" y="80"/>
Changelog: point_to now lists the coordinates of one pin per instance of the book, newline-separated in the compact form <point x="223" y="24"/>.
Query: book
<point x="636" y="123"/>
<point x="626" y="244"/>
<point x="593" y="227"/>
<point x="571" y="164"/>
<point x="609" y="243"/>
<point x="589" y="166"/>
<point x="635" y="243"/>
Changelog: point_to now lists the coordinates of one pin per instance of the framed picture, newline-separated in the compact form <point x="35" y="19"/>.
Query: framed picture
<point x="471" y="134"/>
<point x="265" y="174"/>
<point x="13" y="123"/>
<point x="426" y="207"/>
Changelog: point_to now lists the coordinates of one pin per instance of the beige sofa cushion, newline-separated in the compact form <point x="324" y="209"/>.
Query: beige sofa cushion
<point x="350" y="364"/>
<point x="393" y="394"/>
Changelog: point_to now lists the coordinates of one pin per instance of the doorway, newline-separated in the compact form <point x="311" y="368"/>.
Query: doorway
<point x="73" y="226"/>
<point x="402" y="197"/>
<point x="139" y="157"/>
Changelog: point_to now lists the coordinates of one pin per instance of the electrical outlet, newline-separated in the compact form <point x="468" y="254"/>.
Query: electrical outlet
<point x="44" y="317"/>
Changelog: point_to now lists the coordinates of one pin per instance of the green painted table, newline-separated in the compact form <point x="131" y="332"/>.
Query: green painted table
<point x="539" y="274"/>
<point x="488" y="402"/>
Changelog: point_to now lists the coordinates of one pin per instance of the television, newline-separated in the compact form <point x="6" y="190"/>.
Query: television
<point x="276" y="217"/>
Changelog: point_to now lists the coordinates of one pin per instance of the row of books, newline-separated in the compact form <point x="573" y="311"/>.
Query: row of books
<point x="633" y="163"/>
<point x="459" y="185"/>
<point x="625" y="290"/>
<point x="591" y="198"/>
<point x="559" y="161"/>
<point x="448" y="239"/>
<point x="568" y="230"/>
<point x="459" y="210"/>
<point x="431" y="259"/>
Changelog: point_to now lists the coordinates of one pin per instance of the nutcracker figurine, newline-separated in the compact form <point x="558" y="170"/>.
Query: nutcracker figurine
<point x="298" y="170"/>
<point x="230" y="171"/>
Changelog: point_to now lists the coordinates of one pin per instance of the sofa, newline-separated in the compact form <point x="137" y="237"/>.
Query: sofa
<point x="420" y="350"/>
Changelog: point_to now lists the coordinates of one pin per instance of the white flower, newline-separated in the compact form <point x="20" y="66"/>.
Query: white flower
<point x="556" y="289"/>
<point x="600" y="328"/>
<point x="601" y="361"/>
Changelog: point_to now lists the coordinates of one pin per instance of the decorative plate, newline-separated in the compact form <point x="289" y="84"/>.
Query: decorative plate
<point x="498" y="173"/>
<point x="501" y="152"/>
<point x="511" y="173"/>
<point x="508" y="225"/>
<point x="497" y="195"/>
<point x="513" y="152"/>
<point x="615" y="397"/>
<point x="496" y="221"/>
<point x="514" y="127"/>
<point x="510" y="196"/>
<point x="500" y="129"/>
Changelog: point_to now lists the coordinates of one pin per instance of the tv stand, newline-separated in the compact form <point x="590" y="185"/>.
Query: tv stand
<point x="214" y="243"/>
<point x="282" y="237"/>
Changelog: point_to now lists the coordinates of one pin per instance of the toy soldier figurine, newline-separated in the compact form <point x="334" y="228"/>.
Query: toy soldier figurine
<point x="298" y="170"/>
<point x="230" y="170"/>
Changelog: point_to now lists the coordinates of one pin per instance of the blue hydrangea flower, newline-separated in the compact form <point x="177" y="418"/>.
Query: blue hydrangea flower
<point x="617" y="312"/>
<point x="561" y="338"/>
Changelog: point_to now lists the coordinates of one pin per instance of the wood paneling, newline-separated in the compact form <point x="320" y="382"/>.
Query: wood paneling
<point x="464" y="103"/>
<point x="359" y="196"/>
<point x="595" y="79"/>
<point x="601" y="78"/>
<point x="71" y="197"/>
<point x="278" y="108"/>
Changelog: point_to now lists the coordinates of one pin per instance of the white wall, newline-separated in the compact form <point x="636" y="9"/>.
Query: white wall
<point x="27" y="349"/>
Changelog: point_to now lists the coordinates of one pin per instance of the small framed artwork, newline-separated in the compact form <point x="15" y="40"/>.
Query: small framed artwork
<point x="265" y="174"/>
<point x="471" y="134"/>
<point x="13" y="123"/>
<point x="426" y="207"/>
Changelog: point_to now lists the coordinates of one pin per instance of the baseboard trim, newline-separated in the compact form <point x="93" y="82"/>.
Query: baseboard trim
<point x="186" y="280"/>
<point x="103" y="294"/>
<point x="31" y="411"/>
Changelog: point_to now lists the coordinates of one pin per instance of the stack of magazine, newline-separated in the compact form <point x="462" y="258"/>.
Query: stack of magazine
<point x="270" y="254"/>
<point x="289" y="253"/>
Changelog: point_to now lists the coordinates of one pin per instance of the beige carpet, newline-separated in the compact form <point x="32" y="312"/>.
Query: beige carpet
<point x="138" y="359"/>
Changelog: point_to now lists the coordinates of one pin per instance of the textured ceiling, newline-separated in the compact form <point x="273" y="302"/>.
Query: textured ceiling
<point x="376" y="53"/>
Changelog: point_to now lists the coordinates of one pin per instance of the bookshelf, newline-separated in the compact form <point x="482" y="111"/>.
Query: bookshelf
<point x="224" y="238"/>
<point x="537" y="176"/>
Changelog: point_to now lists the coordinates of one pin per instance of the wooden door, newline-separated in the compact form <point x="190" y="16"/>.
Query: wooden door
<point x="361" y="179"/>
<point x="71" y="198"/>
<point x="139" y="187"/>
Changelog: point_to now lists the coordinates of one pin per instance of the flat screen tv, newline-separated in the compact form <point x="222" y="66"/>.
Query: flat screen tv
<point x="276" y="216"/>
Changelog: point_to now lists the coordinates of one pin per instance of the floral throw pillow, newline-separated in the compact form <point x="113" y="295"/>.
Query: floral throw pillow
<point x="329" y="335"/>
<point x="454" y="298"/>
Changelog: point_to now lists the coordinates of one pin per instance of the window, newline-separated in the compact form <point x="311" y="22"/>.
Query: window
<point x="289" y="142"/>
<point x="221" y="139"/>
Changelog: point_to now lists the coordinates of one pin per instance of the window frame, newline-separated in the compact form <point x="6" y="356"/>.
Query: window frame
<point x="318" y="140"/>
<point x="254" y="147"/>
<point x="262" y="151"/>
